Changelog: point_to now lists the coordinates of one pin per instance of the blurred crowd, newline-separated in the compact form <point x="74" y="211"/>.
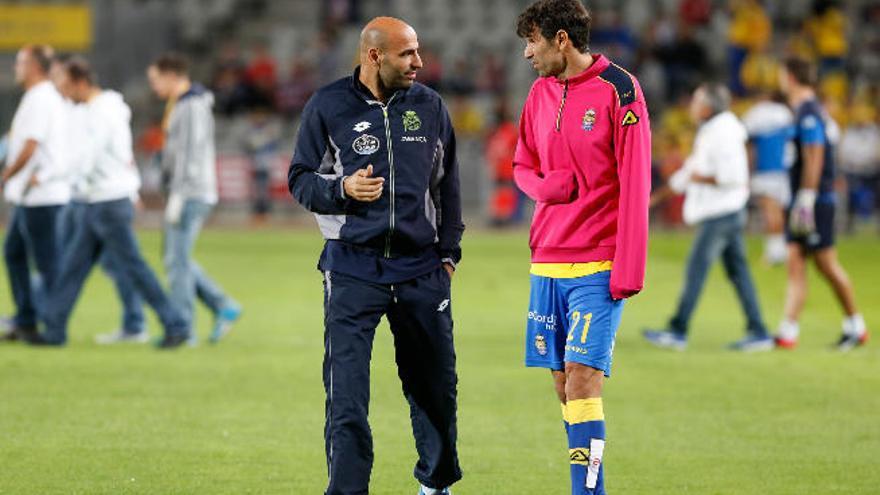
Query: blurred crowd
<point x="678" y="50"/>
<point x="845" y="49"/>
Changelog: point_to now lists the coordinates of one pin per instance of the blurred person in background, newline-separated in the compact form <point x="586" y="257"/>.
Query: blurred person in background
<point x="827" y="29"/>
<point x="715" y="181"/>
<point x="329" y="55"/>
<point x="759" y="73"/>
<point x="492" y="74"/>
<point x="810" y="219"/>
<point x="74" y="135"/>
<point x="695" y="13"/>
<point x="613" y="38"/>
<point x="506" y="201"/>
<point x="432" y="75"/>
<point x="467" y="118"/>
<point x="770" y="125"/>
<point x="376" y="161"/>
<point x="261" y="74"/>
<point x="669" y="156"/>
<point x="133" y="327"/>
<point x="108" y="179"/>
<point x="35" y="184"/>
<point x="295" y="91"/>
<point x="750" y="32"/>
<point x="228" y="83"/>
<point x="859" y="155"/>
<point x="189" y="167"/>
<point x="584" y="156"/>
<point x="461" y="80"/>
<point x="262" y="143"/>
<point x="685" y="61"/>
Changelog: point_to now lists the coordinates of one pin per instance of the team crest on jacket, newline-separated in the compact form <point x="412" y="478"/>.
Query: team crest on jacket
<point x="365" y="144"/>
<point x="589" y="120"/>
<point x="541" y="344"/>
<point x="411" y="121"/>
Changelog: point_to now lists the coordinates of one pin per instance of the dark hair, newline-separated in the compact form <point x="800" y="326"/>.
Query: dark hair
<point x="172" y="62"/>
<point x="42" y="55"/>
<point x="552" y="16"/>
<point x="78" y="70"/>
<point x="802" y="70"/>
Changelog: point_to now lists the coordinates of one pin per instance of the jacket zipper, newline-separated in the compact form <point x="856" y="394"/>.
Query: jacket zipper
<point x="390" y="176"/>
<point x="561" y="107"/>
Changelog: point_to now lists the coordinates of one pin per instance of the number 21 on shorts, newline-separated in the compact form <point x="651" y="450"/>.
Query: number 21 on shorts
<point x="575" y="319"/>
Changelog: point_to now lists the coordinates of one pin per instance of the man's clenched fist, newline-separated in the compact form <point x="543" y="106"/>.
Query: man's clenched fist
<point x="362" y="186"/>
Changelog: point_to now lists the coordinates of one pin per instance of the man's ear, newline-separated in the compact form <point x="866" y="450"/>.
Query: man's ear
<point x="374" y="55"/>
<point x="561" y="39"/>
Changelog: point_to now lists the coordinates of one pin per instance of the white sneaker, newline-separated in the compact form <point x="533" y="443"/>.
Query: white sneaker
<point x="122" y="337"/>
<point x="424" y="490"/>
<point x="7" y="323"/>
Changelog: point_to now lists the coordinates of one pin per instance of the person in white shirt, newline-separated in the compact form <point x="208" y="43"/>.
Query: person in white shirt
<point x="108" y="180"/>
<point x="35" y="183"/>
<point x="859" y="158"/>
<point x="715" y="180"/>
<point x="133" y="324"/>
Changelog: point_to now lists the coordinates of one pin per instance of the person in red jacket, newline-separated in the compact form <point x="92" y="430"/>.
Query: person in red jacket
<point x="584" y="156"/>
<point x="506" y="201"/>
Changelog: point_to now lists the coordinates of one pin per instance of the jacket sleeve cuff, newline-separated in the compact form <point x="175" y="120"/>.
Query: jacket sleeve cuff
<point x="618" y="293"/>
<point x="339" y="195"/>
<point x="342" y="187"/>
<point x="451" y="256"/>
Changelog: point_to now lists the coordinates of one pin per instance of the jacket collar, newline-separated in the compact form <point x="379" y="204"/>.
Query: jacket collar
<point x="195" y="89"/>
<point x="600" y="63"/>
<point x="364" y="92"/>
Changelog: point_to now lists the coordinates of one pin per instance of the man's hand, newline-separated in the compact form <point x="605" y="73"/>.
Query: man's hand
<point x="34" y="181"/>
<point x="449" y="269"/>
<point x="362" y="186"/>
<point x="704" y="179"/>
<point x="802" y="219"/>
<point x="679" y="181"/>
<point x="174" y="209"/>
<point x="30" y="147"/>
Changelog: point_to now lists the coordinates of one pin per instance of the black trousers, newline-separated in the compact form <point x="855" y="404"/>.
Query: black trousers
<point x="420" y="316"/>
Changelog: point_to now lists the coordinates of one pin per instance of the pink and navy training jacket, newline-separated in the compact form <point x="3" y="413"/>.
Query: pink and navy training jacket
<point x="584" y="155"/>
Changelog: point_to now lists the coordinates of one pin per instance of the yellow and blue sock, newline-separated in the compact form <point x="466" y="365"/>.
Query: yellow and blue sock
<point x="585" y="425"/>
<point x="565" y="419"/>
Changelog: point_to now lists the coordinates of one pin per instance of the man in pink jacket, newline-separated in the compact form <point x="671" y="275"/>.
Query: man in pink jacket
<point x="584" y="155"/>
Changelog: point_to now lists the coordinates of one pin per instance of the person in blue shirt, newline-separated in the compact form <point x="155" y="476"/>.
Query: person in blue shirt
<point x="810" y="219"/>
<point x="770" y="125"/>
<point x="375" y="160"/>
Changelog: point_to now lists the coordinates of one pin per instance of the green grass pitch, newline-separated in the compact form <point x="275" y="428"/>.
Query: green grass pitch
<point x="246" y="416"/>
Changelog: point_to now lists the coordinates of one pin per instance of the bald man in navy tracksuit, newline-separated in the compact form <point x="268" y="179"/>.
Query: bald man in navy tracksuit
<point x="375" y="161"/>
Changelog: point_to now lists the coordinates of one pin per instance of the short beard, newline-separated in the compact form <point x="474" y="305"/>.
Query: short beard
<point x="389" y="87"/>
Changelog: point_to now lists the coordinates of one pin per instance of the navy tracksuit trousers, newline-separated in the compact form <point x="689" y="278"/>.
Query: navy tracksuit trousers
<point x="420" y="316"/>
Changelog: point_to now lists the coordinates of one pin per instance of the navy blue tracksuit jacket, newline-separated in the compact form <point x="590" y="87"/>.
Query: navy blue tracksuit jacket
<point x="384" y="258"/>
<point x="410" y="142"/>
